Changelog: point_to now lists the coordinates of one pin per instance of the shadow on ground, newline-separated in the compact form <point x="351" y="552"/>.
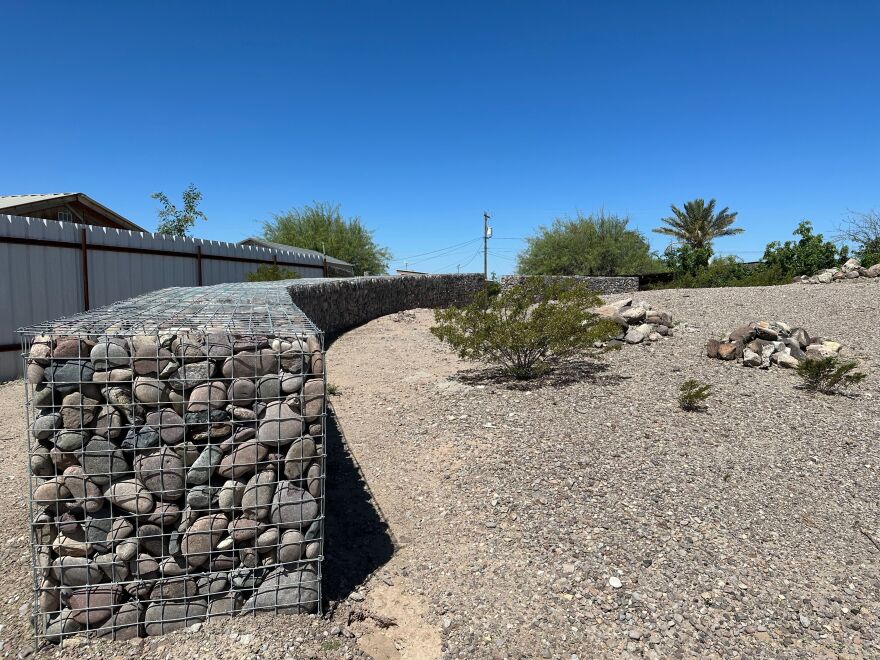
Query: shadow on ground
<point x="358" y="540"/>
<point x="562" y="374"/>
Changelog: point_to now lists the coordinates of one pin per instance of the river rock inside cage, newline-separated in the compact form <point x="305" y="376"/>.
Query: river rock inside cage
<point x="175" y="477"/>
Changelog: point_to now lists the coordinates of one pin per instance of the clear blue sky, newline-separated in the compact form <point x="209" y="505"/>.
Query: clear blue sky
<point x="417" y="117"/>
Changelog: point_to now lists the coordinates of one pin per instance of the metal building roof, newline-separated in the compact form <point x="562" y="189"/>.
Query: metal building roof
<point x="21" y="204"/>
<point x="262" y="242"/>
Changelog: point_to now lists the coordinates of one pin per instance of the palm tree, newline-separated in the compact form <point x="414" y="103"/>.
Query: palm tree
<point x="698" y="225"/>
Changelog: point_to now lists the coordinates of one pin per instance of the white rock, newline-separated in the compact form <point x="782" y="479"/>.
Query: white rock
<point x="615" y="582"/>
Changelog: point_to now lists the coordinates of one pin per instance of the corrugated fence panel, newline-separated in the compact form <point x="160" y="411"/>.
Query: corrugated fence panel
<point x="39" y="281"/>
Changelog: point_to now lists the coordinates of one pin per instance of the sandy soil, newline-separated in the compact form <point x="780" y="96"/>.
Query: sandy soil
<point x="480" y="520"/>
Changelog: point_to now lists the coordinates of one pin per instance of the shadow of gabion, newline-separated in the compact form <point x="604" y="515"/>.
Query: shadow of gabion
<point x="358" y="540"/>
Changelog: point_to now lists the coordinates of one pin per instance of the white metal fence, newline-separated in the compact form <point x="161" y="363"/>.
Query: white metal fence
<point x="50" y="269"/>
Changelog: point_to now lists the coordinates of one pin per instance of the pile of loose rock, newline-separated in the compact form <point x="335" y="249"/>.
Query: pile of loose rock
<point x="851" y="270"/>
<point x="636" y="322"/>
<point x="175" y="477"/>
<point x="763" y="343"/>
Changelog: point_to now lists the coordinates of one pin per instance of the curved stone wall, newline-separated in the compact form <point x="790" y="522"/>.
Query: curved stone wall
<point x="341" y="303"/>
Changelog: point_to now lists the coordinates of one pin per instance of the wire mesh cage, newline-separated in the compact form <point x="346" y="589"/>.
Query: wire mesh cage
<point x="177" y="461"/>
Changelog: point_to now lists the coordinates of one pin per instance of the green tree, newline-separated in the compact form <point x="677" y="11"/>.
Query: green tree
<point x="592" y="245"/>
<point x="527" y="328"/>
<point x="686" y="260"/>
<point x="806" y="256"/>
<point x="320" y="226"/>
<point x="698" y="224"/>
<point x="177" y="222"/>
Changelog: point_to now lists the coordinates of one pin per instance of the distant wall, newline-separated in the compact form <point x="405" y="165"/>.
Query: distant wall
<point x="603" y="285"/>
<point x="341" y="303"/>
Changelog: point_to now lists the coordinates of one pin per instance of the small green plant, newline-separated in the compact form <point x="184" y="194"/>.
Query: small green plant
<point x="525" y="328"/>
<point x="330" y="644"/>
<point x="333" y="389"/>
<point x="271" y="273"/>
<point x="692" y="395"/>
<point x="829" y="375"/>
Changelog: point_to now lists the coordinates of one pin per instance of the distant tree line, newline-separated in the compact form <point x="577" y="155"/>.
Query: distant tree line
<point x="604" y="244"/>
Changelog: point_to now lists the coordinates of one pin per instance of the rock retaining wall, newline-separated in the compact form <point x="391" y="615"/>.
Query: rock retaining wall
<point x="177" y="462"/>
<point x="341" y="303"/>
<point x="602" y="285"/>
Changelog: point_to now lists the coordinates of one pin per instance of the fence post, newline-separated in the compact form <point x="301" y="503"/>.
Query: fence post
<point x="84" y="249"/>
<point x="326" y="269"/>
<point x="199" y="264"/>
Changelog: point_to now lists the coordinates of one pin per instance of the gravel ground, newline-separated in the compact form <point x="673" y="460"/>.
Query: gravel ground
<point x="585" y="516"/>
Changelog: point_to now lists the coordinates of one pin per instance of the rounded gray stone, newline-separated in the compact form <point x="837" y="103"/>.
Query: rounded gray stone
<point x="279" y="425"/>
<point x="292" y="507"/>
<point x="103" y="461"/>
<point x="283" y="590"/>
<point x="108" y="354"/>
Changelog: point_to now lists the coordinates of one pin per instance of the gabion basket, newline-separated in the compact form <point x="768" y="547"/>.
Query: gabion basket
<point x="177" y="461"/>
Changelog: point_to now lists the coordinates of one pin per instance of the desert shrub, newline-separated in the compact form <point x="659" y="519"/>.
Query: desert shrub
<point x="863" y="230"/>
<point x="724" y="272"/>
<point x="692" y="395"/>
<point x="685" y="259"/>
<point x="599" y="245"/>
<point x="829" y="375"/>
<point x="525" y="329"/>
<point x="806" y="256"/>
<point x="271" y="273"/>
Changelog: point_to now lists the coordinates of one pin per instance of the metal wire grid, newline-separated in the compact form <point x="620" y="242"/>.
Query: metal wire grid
<point x="245" y="308"/>
<point x="177" y="475"/>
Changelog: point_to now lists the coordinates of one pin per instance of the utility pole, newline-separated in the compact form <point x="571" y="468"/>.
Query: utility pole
<point x="487" y="232"/>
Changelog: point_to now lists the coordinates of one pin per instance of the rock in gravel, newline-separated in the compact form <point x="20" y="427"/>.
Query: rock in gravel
<point x="635" y="335"/>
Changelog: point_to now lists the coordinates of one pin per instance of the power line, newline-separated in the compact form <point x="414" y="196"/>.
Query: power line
<point x="450" y="247"/>
<point x="461" y="265"/>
